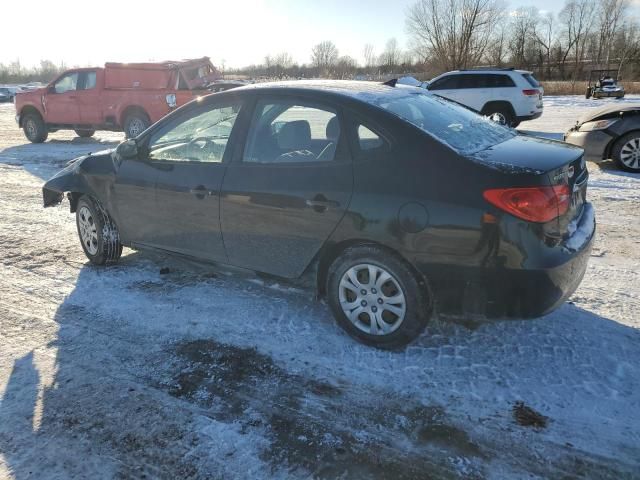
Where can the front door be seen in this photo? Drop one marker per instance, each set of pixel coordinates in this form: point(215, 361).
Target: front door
point(61, 103)
point(188, 157)
point(287, 190)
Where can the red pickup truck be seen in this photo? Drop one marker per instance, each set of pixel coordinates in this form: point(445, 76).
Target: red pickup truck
point(118, 97)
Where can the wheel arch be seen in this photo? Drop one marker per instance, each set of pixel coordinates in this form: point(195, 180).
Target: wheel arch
point(131, 109)
point(27, 110)
point(609, 148)
point(498, 103)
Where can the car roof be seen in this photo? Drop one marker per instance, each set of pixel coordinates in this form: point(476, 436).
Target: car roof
point(364, 91)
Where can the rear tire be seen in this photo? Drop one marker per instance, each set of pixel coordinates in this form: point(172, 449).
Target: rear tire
point(97, 231)
point(34, 128)
point(388, 311)
point(503, 113)
point(626, 152)
point(85, 133)
point(135, 123)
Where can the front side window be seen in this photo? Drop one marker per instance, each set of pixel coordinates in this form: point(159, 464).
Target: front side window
point(446, 83)
point(286, 132)
point(460, 128)
point(199, 138)
point(67, 83)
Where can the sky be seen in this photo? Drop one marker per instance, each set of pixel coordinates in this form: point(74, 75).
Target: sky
point(236, 33)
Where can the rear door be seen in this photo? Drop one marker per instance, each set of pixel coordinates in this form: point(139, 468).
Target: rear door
point(61, 103)
point(287, 189)
point(89, 99)
point(188, 156)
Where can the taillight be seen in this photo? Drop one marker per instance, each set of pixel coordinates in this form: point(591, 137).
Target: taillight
point(534, 204)
point(531, 93)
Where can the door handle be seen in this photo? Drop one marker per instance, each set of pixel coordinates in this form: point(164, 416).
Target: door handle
point(321, 204)
point(201, 191)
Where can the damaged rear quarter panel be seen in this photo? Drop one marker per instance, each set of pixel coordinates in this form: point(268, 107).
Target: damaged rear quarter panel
point(91, 175)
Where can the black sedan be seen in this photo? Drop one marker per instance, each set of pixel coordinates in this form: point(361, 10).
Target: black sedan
point(610, 132)
point(393, 201)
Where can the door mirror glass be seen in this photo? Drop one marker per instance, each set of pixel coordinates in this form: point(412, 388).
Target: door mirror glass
point(127, 149)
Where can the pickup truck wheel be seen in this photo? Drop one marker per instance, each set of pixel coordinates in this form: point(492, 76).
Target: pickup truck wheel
point(98, 233)
point(34, 128)
point(85, 133)
point(135, 124)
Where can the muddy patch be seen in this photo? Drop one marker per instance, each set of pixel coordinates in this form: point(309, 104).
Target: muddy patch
point(317, 427)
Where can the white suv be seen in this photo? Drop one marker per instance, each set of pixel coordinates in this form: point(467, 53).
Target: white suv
point(510, 96)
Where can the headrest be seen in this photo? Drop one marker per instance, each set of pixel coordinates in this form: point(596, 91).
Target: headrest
point(333, 129)
point(294, 135)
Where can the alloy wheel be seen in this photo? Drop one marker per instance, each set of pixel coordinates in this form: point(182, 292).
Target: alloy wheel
point(88, 231)
point(372, 299)
point(630, 154)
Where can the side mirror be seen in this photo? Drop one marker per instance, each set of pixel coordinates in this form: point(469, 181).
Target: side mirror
point(51, 89)
point(127, 149)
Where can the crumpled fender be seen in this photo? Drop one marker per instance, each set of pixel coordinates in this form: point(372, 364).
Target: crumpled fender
point(89, 174)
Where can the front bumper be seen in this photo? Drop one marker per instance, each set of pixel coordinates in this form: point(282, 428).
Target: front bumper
point(618, 94)
point(595, 144)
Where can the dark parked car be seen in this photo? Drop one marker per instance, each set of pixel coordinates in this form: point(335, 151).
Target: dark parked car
point(610, 132)
point(394, 201)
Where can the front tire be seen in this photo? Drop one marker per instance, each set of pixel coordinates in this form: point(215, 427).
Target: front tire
point(626, 152)
point(97, 231)
point(85, 133)
point(376, 297)
point(34, 128)
point(135, 123)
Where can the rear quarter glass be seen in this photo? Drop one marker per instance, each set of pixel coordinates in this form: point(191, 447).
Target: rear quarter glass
point(531, 80)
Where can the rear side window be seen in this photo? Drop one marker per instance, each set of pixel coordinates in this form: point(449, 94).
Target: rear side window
point(368, 139)
point(292, 132)
point(531, 80)
point(460, 128)
point(89, 80)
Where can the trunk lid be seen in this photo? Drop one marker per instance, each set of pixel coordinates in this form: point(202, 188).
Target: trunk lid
point(532, 161)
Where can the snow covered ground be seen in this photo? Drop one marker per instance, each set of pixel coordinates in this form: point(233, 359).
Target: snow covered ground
point(124, 372)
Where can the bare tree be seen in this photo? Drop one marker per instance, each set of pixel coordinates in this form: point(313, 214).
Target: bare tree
point(545, 36)
point(369, 56)
point(577, 16)
point(497, 46)
point(455, 32)
point(345, 66)
point(610, 18)
point(524, 22)
point(324, 56)
point(390, 57)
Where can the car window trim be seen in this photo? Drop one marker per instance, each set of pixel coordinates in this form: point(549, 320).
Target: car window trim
point(342, 147)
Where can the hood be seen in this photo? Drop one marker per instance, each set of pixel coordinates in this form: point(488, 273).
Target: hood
point(608, 112)
point(526, 154)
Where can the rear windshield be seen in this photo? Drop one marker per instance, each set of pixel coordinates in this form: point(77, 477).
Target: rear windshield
point(463, 130)
point(531, 79)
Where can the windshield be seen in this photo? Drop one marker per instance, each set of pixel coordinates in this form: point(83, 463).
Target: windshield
point(463, 130)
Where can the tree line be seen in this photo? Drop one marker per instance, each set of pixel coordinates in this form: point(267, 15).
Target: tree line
point(447, 35)
point(457, 34)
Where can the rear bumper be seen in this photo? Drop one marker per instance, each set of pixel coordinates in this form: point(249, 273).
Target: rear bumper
point(532, 116)
point(528, 292)
point(595, 144)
